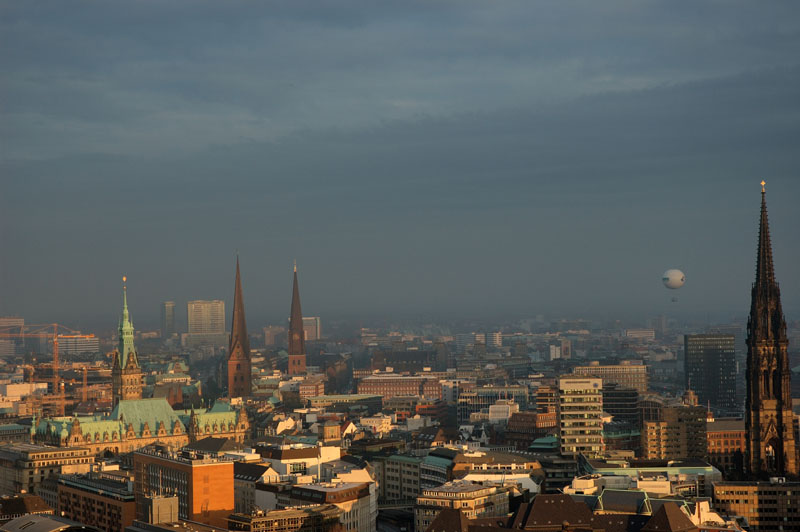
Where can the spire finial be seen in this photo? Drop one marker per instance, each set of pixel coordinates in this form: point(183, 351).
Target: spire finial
point(125, 294)
point(763, 186)
point(295, 265)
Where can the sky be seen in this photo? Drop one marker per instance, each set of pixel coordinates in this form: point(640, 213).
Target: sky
point(441, 159)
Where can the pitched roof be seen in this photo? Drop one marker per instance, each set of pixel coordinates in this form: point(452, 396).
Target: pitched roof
point(549, 510)
point(449, 520)
point(140, 411)
point(23, 504)
point(250, 472)
point(214, 445)
point(669, 518)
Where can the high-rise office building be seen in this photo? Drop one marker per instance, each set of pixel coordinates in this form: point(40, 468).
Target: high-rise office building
point(769, 420)
point(206, 323)
point(167, 319)
point(312, 326)
point(580, 416)
point(710, 362)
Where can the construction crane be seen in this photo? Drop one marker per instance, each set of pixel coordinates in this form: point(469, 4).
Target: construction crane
point(43, 331)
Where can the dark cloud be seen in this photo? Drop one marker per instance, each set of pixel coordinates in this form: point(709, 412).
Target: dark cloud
point(434, 158)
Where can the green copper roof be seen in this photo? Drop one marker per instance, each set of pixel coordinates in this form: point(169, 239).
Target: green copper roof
point(141, 411)
point(220, 413)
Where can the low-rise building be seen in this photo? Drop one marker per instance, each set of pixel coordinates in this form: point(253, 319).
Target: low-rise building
point(23, 466)
point(767, 506)
point(357, 501)
point(398, 476)
point(102, 500)
point(298, 458)
point(472, 499)
point(203, 485)
point(726, 444)
point(317, 518)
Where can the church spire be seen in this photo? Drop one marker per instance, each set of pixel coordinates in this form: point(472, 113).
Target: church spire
point(765, 271)
point(239, 365)
point(769, 420)
point(238, 322)
point(296, 333)
point(125, 345)
point(766, 314)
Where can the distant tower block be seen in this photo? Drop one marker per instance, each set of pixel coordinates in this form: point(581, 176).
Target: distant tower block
point(297, 342)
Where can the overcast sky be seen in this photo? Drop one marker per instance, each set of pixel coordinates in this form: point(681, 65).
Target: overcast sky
point(447, 158)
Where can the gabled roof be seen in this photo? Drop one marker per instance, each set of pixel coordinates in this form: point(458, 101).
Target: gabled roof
point(23, 504)
point(449, 520)
point(549, 510)
point(214, 445)
point(669, 518)
point(249, 472)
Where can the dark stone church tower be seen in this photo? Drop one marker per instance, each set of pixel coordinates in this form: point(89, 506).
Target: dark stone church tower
point(769, 421)
point(239, 366)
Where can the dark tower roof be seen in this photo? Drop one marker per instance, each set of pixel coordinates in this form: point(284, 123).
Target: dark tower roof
point(238, 323)
point(297, 342)
point(766, 314)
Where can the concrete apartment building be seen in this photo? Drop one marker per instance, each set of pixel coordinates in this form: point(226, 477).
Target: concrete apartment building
point(680, 434)
point(390, 385)
point(580, 416)
point(203, 485)
point(726, 438)
point(472, 499)
point(102, 500)
point(626, 374)
point(768, 506)
point(320, 518)
point(397, 476)
point(357, 501)
point(23, 466)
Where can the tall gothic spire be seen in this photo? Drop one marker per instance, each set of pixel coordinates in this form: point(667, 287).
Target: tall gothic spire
point(766, 313)
point(765, 271)
point(769, 421)
point(239, 368)
point(125, 345)
point(297, 343)
point(238, 323)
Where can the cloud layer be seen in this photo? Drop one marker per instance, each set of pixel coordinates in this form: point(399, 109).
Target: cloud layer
point(440, 158)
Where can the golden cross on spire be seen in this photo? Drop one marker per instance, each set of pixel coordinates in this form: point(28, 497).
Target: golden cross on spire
point(763, 186)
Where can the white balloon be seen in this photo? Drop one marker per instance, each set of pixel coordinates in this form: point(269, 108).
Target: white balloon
point(673, 279)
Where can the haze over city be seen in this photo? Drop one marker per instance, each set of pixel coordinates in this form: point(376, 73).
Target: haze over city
point(449, 159)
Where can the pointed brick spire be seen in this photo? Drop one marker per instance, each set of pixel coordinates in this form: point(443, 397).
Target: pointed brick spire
point(297, 343)
point(239, 336)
